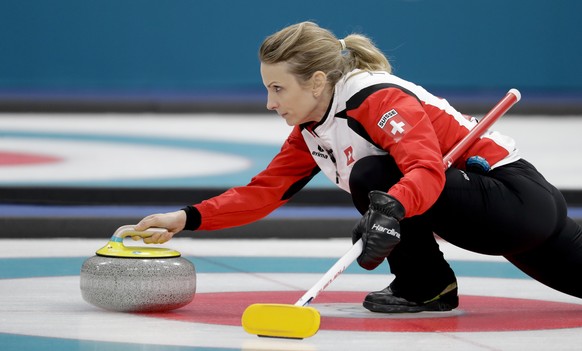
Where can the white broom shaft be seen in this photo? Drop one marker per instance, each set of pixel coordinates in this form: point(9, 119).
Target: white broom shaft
point(341, 265)
point(512, 97)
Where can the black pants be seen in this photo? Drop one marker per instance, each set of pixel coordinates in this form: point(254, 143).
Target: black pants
point(511, 211)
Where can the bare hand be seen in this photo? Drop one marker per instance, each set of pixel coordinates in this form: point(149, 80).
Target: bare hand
point(173, 222)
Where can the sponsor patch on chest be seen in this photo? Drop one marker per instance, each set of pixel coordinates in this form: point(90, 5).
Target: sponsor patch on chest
point(394, 124)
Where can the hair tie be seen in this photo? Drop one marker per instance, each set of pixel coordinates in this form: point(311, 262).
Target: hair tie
point(343, 44)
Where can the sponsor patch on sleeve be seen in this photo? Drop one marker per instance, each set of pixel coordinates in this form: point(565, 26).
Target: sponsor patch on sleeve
point(394, 124)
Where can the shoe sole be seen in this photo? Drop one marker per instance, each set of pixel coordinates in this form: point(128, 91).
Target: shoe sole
point(436, 306)
point(445, 301)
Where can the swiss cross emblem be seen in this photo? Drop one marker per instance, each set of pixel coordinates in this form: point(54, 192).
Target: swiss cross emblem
point(394, 124)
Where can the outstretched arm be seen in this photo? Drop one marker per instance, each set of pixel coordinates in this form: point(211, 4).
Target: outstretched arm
point(287, 173)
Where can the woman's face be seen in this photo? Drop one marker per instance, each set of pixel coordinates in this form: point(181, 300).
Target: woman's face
point(296, 103)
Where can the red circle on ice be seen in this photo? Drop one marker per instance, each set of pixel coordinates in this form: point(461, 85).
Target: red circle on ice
point(21, 158)
point(474, 314)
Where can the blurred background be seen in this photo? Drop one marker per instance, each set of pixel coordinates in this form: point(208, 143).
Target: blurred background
point(187, 56)
point(99, 77)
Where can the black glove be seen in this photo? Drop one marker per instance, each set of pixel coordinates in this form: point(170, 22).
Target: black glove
point(379, 229)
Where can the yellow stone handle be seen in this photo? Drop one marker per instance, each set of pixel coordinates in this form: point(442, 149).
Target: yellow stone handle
point(129, 230)
point(115, 247)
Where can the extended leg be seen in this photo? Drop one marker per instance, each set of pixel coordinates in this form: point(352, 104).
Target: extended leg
point(514, 212)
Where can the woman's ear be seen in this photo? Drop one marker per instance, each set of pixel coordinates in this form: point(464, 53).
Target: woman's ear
point(318, 81)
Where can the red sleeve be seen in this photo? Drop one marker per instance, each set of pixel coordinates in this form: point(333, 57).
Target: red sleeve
point(285, 175)
point(397, 123)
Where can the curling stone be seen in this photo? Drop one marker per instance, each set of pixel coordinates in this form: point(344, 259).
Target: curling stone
point(137, 279)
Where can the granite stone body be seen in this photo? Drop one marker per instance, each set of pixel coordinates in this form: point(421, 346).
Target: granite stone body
point(138, 284)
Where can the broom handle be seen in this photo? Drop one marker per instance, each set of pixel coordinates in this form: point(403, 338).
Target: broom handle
point(341, 265)
point(512, 97)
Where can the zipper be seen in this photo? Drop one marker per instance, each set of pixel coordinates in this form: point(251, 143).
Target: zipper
point(330, 153)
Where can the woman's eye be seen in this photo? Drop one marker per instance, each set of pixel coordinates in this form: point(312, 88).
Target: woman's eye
point(277, 89)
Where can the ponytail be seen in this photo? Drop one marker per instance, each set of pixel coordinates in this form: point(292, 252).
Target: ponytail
point(364, 55)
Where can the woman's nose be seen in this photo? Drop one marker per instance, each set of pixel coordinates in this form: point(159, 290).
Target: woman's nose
point(271, 105)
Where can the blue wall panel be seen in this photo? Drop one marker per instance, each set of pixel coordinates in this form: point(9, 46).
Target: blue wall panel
point(173, 48)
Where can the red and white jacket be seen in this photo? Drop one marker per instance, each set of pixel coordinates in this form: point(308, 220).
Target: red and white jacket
point(371, 113)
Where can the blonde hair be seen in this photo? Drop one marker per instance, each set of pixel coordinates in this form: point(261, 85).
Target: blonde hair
point(308, 48)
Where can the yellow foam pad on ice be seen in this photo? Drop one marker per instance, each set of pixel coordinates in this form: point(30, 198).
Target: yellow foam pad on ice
point(280, 320)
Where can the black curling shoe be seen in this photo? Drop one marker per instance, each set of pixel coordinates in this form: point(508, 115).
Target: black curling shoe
point(384, 301)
